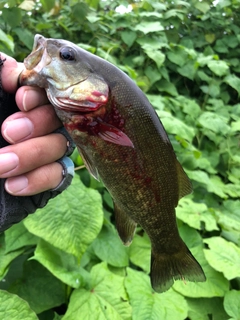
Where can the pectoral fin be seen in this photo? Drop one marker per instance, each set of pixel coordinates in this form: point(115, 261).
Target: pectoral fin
point(125, 225)
point(90, 167)
point(112, 134)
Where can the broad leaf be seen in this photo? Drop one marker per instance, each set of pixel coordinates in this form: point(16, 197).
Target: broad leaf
point(223, 256)
point(232, 303)
point(201, 308)
point(140, 252)
point(76, 213)
point(234, 82)
point(104, 299)
point(7, 40)
point(149, 305)
point(39, 288)
point(156, 56)
point(62, 265)
point(128, 37)
point(18, 237)
point(176, 126)
point(6, 258)
point(13, 307)
point(109, 248)
point(214, 122)
point(193, 214)
point(220, 68)
point(147, 26)
point(215, 286)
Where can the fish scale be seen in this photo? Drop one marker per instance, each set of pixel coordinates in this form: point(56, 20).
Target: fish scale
point(123, 142)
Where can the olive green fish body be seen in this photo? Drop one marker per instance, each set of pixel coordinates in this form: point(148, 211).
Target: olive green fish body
point(123, 142)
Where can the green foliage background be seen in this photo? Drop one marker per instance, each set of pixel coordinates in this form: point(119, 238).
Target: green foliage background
point(66, 261)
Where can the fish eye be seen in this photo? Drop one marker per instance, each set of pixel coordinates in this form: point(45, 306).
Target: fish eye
point(67, 54)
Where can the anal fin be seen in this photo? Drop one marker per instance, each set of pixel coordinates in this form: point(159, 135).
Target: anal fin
point(125, 225)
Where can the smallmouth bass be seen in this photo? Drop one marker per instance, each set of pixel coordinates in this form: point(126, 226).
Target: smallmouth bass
point(123, 142)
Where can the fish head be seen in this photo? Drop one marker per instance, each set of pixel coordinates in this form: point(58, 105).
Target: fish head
point(79, 93)
point(62, 68)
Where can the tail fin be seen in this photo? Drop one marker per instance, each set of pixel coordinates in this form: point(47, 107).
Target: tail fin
point(167, 268)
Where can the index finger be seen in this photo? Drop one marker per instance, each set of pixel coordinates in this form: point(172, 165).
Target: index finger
point(10, 73)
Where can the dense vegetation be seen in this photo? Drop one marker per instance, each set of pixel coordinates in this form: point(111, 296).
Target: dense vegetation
point(66, 261)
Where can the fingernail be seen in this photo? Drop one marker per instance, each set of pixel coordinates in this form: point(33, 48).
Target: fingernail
point(16, 184)
point(30, 97)
point(8, 162)
point(24, 100)
point(18, 129)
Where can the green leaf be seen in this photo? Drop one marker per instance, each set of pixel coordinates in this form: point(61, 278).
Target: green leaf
point(232, 303)
point(18, 237)
point(233, 81)
point(93, 3)
point(221, 46)
point(128, 37)
point(214, 122)
point(229, 216)
point(215, 286)
point(156, 56)
point(12, 307)
point(210, 37)
point(178, 56)
point(223, 256)
point(62, 265)
point(12, 16)
point(188, 70)
point(6, 258)
point(146, 26)
point(148, 43)
point(25, 36)
point(140, 252)
point(193, 214)
point(213, 89)
point(201, 308)
point(47, 4)
point(175, 126)
point(105, 299)
point(76, 213)
point(220, 68)
point(235, 126)
point(190, 236)
point(148, 305)
point(39, 288)
point(166, 86)
point(109, 248)
point(80, 11)
point(153, 74)
point(202, 6)
point(7, 40)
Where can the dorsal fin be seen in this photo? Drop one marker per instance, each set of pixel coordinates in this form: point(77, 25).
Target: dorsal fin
point(184, 184)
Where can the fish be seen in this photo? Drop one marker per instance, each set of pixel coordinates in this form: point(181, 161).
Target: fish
point(122, 142)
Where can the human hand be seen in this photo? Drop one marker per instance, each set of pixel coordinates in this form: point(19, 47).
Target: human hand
point(29, 163)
